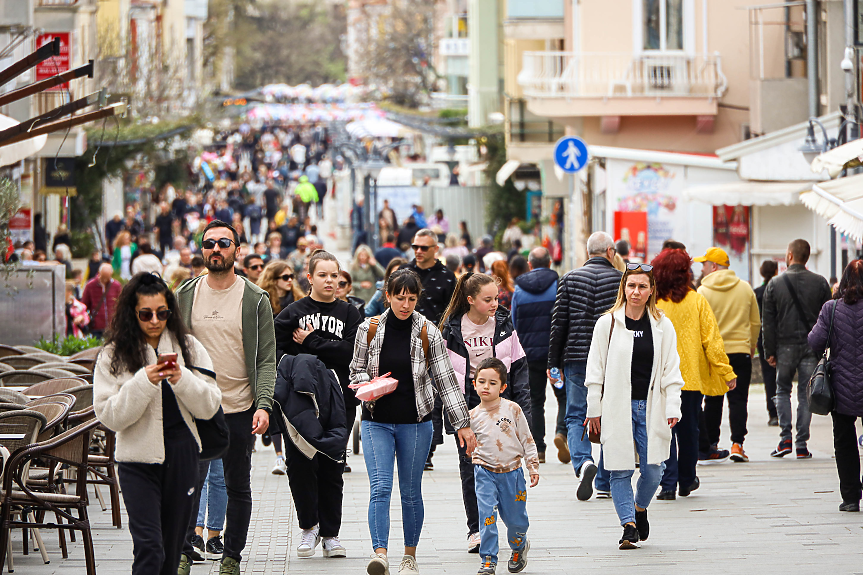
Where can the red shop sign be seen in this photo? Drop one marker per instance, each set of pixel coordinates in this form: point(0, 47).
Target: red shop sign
point(55, 64)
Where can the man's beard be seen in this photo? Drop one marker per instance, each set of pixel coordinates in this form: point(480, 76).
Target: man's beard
point(224, 265)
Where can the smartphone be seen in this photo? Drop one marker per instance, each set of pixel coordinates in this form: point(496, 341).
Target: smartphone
point(168, 358)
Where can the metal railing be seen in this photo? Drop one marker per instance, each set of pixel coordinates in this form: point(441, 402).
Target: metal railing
point(57, 2)
point(621, 75)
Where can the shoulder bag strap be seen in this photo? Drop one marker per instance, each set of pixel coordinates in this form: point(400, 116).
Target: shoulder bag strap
point(797, 304)
point(830, 331)
point(610, 333)
point(207, 372)
point(424, 337)
point(92, 313)
point(373, 329)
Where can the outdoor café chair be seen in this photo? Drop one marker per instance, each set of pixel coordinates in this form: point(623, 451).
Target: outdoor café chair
point(8, 350)
point(23, 377)
point(23, 361)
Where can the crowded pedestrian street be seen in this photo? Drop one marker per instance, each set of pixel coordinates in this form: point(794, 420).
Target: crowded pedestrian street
point(768, 516)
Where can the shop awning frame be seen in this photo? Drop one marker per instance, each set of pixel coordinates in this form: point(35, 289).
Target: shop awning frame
point(840, 202)
point(748, 193)
point(835, 160)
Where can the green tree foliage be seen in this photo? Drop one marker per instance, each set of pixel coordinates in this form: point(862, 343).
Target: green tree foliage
point(504, 202)
point(69, 345)
point(290, 42)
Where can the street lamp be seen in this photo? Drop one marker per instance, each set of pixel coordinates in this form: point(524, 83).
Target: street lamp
point(811, 148)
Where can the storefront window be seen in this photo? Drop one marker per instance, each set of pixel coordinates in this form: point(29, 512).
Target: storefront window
point(663, 24)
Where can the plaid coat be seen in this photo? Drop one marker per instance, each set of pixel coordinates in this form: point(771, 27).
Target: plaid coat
point(439, 377)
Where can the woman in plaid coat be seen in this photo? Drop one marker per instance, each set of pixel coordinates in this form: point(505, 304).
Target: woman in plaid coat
point(397, 426)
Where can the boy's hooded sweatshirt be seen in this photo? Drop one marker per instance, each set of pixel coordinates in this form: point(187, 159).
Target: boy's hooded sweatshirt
point(736, 309)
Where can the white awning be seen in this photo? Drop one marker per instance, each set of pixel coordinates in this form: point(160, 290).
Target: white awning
point(748, 193)
point(834, 160)
point(840, 202)
point(506, 171)
point(14, 153)
point(378, 128)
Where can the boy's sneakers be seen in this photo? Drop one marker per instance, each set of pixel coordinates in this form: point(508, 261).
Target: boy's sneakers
point(333, 547)
point(185, 566)
point(630, 537)
point(603, 494)
point(783, 449)
point(308, 541)
point(214, 549)
point(737, 453)
point(518, 560)
point(279, 468)
point(585, 476)
point(487, 567)
point(379, 565)
point(641, 524)
point(408, 566)
point(229, 566)
point(804, 454)
point(473, 541)
point(715, 455)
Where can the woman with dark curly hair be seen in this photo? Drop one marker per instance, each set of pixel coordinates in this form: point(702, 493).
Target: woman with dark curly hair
point(145, 390)
point(703, 364)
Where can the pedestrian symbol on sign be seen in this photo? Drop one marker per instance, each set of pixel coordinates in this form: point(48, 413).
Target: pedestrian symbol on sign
point(570, 154)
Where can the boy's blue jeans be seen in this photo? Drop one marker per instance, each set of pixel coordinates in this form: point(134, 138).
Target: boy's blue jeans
point(508, 493)
point(214, 498)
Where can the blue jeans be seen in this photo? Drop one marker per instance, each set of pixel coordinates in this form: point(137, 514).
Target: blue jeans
point(648, 482)
point(214, 498)
point(383, 443)
point(580, 450)
point(789, 359)
point(504, 493)
point(602, 481)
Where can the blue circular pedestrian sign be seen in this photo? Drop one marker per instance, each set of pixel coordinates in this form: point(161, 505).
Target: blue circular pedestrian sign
point(570, 154)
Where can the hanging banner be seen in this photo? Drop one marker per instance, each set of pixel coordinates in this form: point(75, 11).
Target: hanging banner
point(634, 228)
point(59, 176)
point(731, 232)
point(55, 64)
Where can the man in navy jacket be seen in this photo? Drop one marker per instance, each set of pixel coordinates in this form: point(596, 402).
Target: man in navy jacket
point(532, 304)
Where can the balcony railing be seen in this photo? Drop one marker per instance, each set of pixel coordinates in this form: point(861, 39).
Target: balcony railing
point(621, 75)
point(57, 2)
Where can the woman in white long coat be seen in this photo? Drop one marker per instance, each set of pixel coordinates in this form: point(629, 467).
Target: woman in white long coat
point(633, 394)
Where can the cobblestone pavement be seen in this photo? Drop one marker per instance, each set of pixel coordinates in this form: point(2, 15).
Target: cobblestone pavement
point(768, 516)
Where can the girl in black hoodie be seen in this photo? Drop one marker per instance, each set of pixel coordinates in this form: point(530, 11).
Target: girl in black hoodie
point(326, 327)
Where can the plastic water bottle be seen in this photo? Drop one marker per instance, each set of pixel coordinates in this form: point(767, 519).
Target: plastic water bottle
point(556, 381)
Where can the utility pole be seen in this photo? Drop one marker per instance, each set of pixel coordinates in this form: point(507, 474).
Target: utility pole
point(812, 56)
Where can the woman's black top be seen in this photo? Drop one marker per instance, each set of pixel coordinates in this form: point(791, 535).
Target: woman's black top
point(642, 355)
point(401, 405)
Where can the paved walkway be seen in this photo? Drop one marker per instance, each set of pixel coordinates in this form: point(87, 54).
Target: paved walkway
point(773, 516)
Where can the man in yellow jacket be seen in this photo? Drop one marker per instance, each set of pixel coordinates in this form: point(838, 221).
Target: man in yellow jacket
point(736, 309)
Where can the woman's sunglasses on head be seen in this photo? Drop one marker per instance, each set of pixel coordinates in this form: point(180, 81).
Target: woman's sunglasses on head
point(639, 267)
point(147, 314)
point(223, 243)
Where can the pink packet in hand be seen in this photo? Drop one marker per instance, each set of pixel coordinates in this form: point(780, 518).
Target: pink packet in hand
point(376, 388)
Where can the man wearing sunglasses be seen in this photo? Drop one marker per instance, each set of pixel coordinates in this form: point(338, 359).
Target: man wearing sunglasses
point(253, 265)
point(583, 295)
point(438, 286)
point(233, 319)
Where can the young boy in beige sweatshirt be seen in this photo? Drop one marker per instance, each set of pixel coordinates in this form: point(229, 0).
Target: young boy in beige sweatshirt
point(503, 439)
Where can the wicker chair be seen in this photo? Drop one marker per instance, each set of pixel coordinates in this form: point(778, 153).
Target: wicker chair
point(64, 365)
point(55, 414)
point(4, 407)
point(23, 361)
point(5, 367)
point(59, 385)
point(29, 349)
point(86, 363)
point(64, 398)
point(83, 397)
point(12, 396)
point(86, 354)
point(28, 424)
point(69, 448)
point(45, 356)
point(8, 350)
point(23, 377)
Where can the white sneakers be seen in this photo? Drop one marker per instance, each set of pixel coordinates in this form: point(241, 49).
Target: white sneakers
point(308, 541)
point(378, 565)
point(279, 468)
point(473, 541)
point(333, 547)
point(585, 476)
point(408, 566)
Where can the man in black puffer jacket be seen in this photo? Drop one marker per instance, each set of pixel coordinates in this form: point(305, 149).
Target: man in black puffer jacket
point(583, 295)
point(532, 304)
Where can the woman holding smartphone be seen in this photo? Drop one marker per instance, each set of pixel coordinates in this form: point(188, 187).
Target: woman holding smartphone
point(151, 381)
point(323, 326)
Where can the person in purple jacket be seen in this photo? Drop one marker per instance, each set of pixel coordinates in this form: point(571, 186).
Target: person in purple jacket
point(846, 353)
